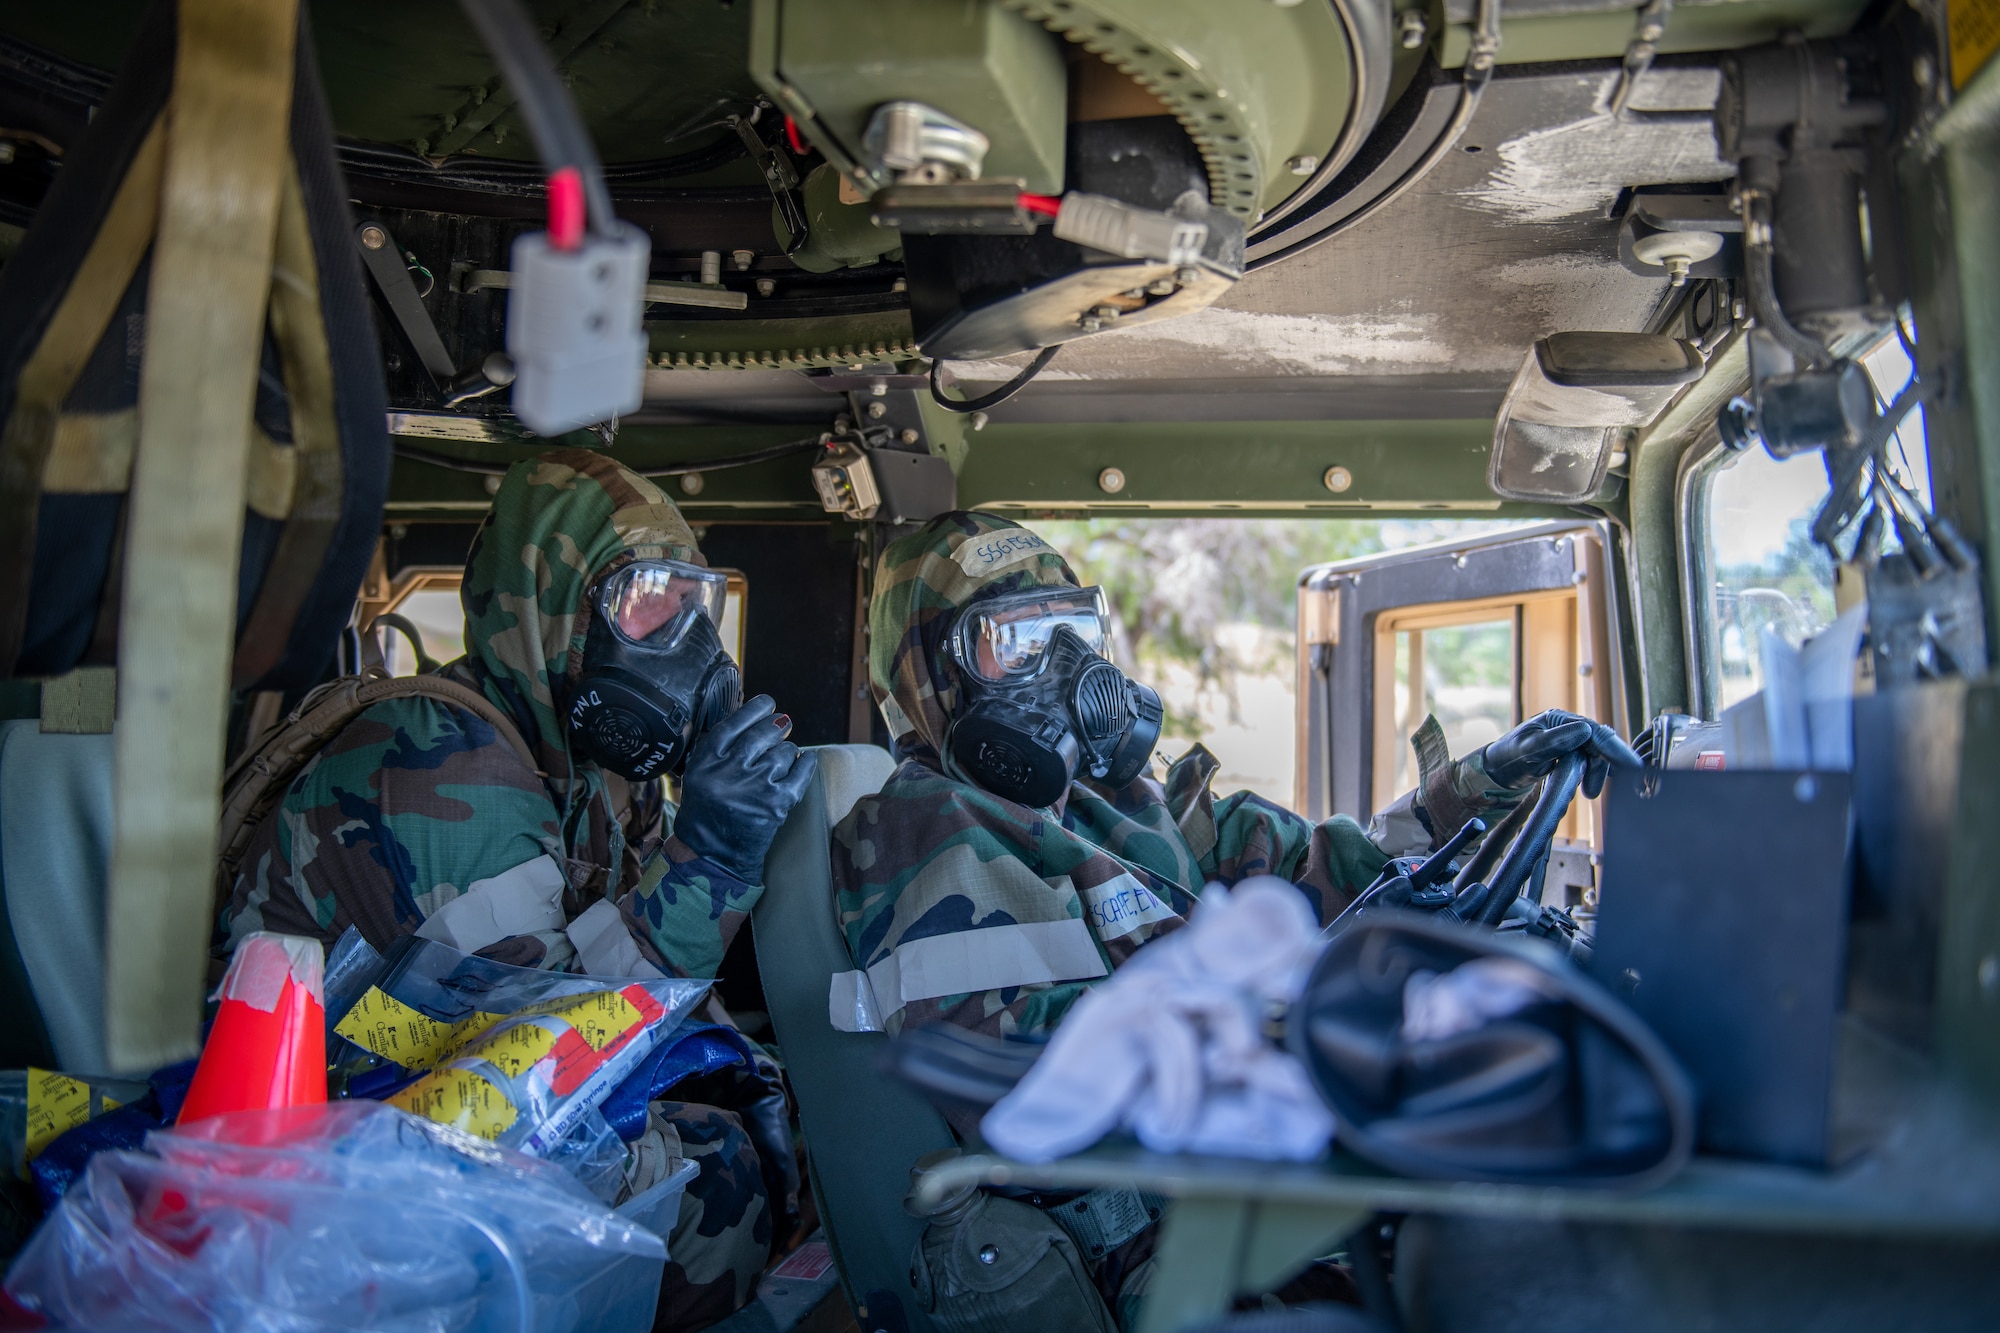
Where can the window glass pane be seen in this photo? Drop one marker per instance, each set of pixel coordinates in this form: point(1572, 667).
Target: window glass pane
point(731, 628)
point(439, 617)
point(1767, 571)
point(1466, 678)
point(1469, 682)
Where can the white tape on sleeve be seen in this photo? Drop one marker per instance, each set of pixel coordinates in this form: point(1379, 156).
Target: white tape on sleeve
point(605, 947)
point(520, 901)
point(991, 958)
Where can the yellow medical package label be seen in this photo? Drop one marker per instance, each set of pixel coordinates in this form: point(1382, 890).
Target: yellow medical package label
point(57, 1103)
point(600, 1018)
point(515, 1047)
point(460, 1098)
point(382, 1024)
point(1973, 27)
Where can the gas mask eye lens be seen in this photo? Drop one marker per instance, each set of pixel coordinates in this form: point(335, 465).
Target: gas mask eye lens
point(1042, 702)
point(1010, 636)
point(642, 600)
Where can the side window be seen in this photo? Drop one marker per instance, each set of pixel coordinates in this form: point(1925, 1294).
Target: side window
point(438, 615)
point(1480, 632)
point(1764, 572)
point(1756, 567)
point(1457, 664)
point(1480, 667)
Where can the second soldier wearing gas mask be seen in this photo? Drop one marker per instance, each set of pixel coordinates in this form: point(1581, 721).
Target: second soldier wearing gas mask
point(1023, 848)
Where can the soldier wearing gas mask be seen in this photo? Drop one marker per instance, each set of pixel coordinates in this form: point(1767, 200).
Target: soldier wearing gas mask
point(1022, 849)
point(591, 622)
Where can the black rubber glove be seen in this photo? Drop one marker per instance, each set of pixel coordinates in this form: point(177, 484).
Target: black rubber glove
point(743, 777)
point(1532, 750)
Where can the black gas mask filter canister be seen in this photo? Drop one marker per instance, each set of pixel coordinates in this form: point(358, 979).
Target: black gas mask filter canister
point(638, 707)
point(1024, 739)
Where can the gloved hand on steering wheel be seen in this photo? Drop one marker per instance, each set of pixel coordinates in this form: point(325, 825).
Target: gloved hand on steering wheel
point(742, 778)
point(1499, 774)
point(1532, 750)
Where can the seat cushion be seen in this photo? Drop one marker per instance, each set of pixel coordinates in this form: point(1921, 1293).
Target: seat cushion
point(863, 1131)
point(55, 859)
point(850, 772)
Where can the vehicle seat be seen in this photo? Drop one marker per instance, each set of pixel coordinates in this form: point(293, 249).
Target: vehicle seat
point(55, 859)
point(862, 1129)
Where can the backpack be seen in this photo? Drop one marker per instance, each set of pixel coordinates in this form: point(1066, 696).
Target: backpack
point(260, 777)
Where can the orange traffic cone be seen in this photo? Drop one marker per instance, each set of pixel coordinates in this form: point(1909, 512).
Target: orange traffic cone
point(267, 1048)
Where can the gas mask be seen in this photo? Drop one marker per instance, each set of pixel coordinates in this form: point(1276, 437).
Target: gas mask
point(655, 673)
point(1040, 701)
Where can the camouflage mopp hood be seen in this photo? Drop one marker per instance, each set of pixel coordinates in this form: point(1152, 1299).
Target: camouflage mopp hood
point(922, 581)
point(560, 522)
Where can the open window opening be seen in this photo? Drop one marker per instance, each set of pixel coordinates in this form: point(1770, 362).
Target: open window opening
point(1480, 667)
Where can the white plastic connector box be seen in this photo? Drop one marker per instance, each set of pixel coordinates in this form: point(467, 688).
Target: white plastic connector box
point(575, 329)
point(1118, 228)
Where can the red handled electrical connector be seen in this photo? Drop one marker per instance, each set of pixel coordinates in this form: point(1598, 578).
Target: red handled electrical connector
point(566, 213)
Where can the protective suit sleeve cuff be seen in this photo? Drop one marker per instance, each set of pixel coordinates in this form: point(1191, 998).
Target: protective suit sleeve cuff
point(1438, 802)
point(678, 854)
point(1397, 829)
point(1480, 791)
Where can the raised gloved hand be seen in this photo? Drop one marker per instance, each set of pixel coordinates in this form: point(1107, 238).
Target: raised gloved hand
point(743, 777)
point(1533, 749)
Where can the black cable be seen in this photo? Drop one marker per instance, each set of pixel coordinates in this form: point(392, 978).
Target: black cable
point(381, 162)
point(999, 395)
point(1843, 501)
point(509, 33)
point(485, 469)
point(1763, 287)
point(740, 460)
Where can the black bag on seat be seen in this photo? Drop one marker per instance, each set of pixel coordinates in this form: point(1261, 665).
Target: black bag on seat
point(1572, 1088)
point(320, 463)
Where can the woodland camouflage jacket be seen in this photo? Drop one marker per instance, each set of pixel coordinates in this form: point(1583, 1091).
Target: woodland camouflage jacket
point(415, 800)
point(962, 907)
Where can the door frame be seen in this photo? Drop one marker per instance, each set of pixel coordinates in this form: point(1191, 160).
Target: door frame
point(1341, 603)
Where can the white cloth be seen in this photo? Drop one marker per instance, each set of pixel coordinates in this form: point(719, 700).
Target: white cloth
point(1439, 1005)
point(1172, 1046)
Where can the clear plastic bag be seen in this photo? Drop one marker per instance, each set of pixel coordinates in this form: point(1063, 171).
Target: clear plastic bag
point(353, 1215)
point(514, 1055)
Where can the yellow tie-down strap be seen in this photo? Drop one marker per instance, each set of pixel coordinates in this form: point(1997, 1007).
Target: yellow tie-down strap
point(227, 153)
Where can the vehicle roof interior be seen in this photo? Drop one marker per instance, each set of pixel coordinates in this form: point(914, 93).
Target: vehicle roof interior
point(1383, 343)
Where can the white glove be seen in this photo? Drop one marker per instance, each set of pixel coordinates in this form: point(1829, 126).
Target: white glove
point(1172, 1046)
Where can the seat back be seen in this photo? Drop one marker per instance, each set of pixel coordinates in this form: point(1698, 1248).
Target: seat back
point(862, 1129)
point(55, 858)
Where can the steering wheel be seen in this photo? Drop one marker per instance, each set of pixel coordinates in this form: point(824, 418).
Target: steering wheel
point(1488, 884)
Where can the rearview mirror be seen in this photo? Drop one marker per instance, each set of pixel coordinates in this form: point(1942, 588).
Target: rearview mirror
point(1573, 395)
